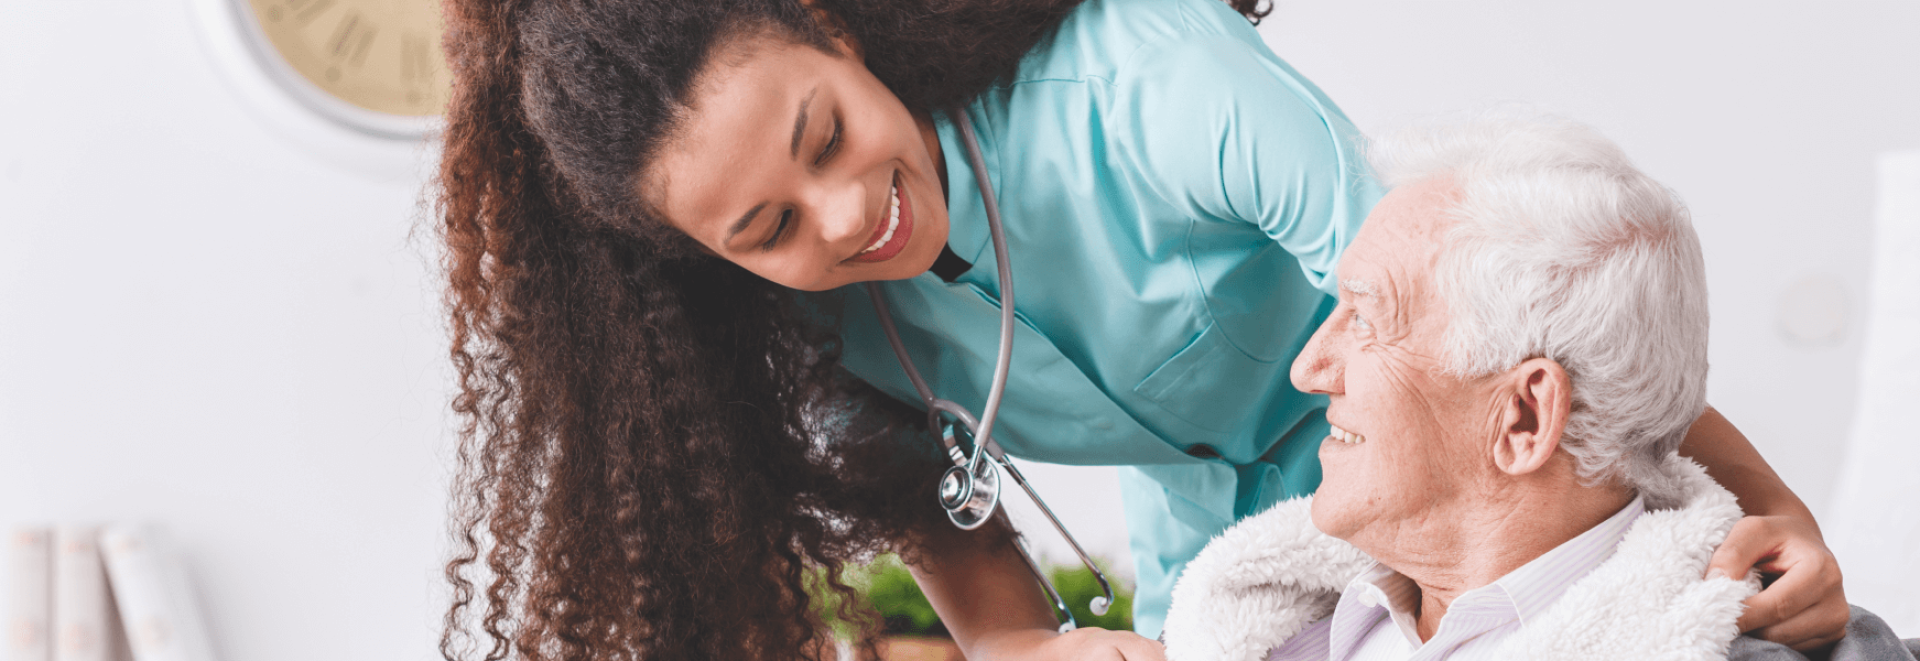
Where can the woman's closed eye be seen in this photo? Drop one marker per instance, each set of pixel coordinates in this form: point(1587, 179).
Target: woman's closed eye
point(832, 146)
point(779, 230)
point(786, 217)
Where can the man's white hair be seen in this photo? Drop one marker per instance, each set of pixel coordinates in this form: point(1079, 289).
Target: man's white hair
point(1562, 249)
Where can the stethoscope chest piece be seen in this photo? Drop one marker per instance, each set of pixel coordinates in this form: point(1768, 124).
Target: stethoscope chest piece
point(969, 496)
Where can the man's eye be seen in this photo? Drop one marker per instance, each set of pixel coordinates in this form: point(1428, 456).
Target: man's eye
point(1361, 322)
point(833, 145)
point(779, 230)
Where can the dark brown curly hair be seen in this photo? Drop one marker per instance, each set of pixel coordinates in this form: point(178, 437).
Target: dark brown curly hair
point(659, 451)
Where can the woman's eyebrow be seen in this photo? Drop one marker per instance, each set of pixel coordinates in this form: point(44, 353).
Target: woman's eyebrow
point(744, 221)
point(793, 151)
point(800, 124)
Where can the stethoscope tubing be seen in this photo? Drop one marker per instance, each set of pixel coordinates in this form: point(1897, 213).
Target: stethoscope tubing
point(1004, 361)
point(981, 429)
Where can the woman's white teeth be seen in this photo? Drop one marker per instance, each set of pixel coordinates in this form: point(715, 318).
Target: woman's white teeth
point(893, 220)
point(1347, 437)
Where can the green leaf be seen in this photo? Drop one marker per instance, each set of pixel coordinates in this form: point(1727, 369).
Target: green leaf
point(884, 586)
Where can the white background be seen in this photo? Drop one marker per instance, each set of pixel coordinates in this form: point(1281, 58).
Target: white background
point(211, 325)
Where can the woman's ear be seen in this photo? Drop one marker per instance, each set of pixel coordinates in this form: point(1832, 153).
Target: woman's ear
point(836, 28)
point(1539, 398)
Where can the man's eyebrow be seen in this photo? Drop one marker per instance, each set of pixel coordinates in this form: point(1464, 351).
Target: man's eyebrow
point(800, 124)
point(743, 222)
point(1358, 287)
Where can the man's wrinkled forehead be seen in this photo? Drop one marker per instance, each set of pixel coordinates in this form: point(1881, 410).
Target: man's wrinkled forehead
point(1407, 229)
point(1389, 270)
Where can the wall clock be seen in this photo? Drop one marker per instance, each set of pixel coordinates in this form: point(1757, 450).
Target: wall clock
point(373, 66)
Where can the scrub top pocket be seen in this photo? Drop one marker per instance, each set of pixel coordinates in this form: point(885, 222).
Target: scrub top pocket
point(1190, 386)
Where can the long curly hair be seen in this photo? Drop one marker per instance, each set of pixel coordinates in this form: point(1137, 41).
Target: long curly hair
point(659, 456)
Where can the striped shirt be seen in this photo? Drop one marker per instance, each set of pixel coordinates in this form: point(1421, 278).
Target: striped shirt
point(1374, 619)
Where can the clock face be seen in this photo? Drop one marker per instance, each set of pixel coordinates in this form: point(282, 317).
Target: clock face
point(378, 55)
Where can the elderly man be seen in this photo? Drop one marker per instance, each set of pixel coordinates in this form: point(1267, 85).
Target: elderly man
point(1519, 348)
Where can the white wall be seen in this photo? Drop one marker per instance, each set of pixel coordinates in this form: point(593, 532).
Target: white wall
point(205, 325)
point(1873, 540)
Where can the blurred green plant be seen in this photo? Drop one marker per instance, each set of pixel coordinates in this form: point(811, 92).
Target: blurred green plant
point(885, 588)
point(903, 608)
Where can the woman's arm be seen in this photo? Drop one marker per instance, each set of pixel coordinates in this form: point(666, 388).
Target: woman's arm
point(1806, 607)
point(1221, 129)
point(995, 610)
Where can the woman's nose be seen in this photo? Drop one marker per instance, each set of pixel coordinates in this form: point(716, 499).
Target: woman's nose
point(840, 210)
point(1318, 368)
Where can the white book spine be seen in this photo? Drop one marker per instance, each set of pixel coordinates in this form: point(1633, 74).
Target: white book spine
point(155, 603)
point(29, 616)
point(82, 608)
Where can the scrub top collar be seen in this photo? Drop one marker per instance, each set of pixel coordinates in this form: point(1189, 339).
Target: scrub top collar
point(949, 266)
point(967, 233)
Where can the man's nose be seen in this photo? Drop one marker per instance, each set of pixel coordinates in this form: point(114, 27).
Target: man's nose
point(1318, 368)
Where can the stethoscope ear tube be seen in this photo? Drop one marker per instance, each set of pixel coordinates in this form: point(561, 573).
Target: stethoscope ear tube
point(1098, 605)
point(970, 490)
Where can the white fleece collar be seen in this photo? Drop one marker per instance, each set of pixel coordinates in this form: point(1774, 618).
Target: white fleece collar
point(1268, 577)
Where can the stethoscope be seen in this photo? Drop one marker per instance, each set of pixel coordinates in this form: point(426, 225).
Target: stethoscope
point(970, 489)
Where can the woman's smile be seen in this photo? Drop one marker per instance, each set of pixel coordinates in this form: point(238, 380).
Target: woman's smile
point(891, 234)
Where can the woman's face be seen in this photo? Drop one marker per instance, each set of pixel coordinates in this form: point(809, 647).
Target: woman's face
point(790, 163)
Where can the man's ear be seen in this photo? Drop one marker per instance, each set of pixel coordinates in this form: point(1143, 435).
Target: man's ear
point(1539, 398)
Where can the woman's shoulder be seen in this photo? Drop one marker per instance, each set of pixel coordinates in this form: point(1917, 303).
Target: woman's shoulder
point(1100, 37)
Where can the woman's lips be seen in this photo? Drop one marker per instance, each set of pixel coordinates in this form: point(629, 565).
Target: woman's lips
point(902, 231)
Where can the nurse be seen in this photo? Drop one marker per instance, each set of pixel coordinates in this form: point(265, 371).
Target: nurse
point(658, 213)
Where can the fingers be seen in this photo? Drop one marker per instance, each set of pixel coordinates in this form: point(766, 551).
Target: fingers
point(1817, 625)
point(1751, 540)
point(1807, 607)
point(1094, 644)
point(1788, 597)
point(1142, 649)
point(1134, 647)
point(1809, 644)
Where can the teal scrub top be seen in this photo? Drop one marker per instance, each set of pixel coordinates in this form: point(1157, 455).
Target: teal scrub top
point(1175, 199)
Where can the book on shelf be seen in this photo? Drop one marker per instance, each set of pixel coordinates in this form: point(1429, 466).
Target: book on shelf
point(84, 626)
point(29, 616)
point(83, 593)
point(156, 605)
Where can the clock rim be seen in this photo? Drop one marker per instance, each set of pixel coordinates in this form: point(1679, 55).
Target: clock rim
point(385, 157)
point(243, 23)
